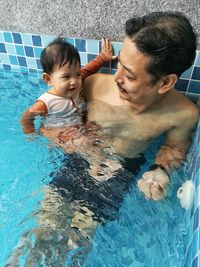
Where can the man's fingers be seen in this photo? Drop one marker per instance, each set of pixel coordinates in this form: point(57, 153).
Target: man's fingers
point(157, 192)
point(145, 188)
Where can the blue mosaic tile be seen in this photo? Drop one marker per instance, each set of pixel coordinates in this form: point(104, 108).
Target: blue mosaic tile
point(181, 85)
point(113, 71)
point(38, 64)
point(4, 59)
point(194, 87)
point(83, 57)
point(196, 220)
point(6, 67)
point(80, 45)
point(47, 40)
point(92, 46)
point(70, 40)
point(193, 249)
point(114, 64)
point(192, 211)
point(195, 262)
point(20, 50)
point(22, 61)
point(198, 59)
point(28, 51)
point(37, 51)
point(31, 62)
point(37, 41)
point(107, 64)
point(27, 39)
point(2, 48)
point(1, 38)
point(187, 74)
point(90, 57)
point(116, 47)
point(196, 73)
point(105, 70)
point(13, 60)
point(17, 38)
point(7, 37)
point(10, 48)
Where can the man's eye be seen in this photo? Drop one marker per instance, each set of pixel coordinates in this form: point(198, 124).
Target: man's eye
point(130, 78)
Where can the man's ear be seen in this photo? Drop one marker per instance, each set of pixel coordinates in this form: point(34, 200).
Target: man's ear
point(168, 83)
point(46, 78)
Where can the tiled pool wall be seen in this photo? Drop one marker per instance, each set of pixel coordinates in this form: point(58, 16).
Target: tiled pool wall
point(192, 171)
point(21, 52)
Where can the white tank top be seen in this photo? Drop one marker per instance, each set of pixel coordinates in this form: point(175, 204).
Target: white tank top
point(61, 111)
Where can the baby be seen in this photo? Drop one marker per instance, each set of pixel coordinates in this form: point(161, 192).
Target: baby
point(60, 105)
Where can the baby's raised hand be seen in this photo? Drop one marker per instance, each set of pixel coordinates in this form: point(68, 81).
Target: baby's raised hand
point(107, 50)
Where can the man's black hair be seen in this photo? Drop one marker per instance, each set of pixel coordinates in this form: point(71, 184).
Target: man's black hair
point(167, 38)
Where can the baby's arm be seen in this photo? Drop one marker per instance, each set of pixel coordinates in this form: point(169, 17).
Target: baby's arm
point(27, 118)
point(105, 56)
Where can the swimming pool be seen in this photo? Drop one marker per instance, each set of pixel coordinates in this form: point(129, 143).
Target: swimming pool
point(147, 233)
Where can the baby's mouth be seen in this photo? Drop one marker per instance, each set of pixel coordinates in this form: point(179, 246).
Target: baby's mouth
point(72, 89)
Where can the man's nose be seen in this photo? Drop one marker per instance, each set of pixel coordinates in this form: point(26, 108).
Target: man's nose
point(119, 75)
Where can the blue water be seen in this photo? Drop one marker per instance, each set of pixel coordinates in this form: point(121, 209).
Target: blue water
point(147, 233)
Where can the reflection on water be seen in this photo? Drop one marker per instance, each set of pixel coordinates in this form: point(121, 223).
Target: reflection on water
point(77, 214)
point(84, 222)
point(73, 205)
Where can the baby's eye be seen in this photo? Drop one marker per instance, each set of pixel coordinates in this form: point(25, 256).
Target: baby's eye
point(66, 77)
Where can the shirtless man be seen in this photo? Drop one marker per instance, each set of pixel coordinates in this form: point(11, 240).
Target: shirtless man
point(140, 103)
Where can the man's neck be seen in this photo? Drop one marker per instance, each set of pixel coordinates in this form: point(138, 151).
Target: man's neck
point(139, 108)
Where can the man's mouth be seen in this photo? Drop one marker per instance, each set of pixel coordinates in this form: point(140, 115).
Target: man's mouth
point(121, 89)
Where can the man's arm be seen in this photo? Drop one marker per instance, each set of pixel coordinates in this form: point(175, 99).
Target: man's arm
point(154, 182)
point(177, 142)
point(27, 118)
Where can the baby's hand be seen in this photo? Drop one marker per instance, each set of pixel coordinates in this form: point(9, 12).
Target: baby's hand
point(107, 50)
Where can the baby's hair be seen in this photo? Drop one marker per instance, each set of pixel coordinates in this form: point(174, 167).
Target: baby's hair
point(57, 54)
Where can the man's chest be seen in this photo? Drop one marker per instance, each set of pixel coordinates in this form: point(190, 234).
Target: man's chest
point(121, 122)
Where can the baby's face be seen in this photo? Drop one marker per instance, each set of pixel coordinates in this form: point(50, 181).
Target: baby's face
point(66, 80)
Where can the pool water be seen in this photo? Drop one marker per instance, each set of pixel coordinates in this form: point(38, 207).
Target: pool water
point(146, 233)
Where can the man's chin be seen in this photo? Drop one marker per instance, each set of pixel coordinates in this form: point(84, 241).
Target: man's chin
point(123, 95)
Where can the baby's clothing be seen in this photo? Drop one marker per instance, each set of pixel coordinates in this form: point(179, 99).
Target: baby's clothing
point(61, 111)
point(65, 111)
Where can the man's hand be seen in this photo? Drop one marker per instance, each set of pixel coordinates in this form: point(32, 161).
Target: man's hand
point(154, 184)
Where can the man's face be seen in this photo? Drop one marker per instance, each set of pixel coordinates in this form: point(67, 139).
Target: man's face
point(133, 81)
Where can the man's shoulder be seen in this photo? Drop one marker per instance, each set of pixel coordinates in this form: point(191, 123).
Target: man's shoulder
point(97, 85)
point(99, 77)
point(187, 108)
